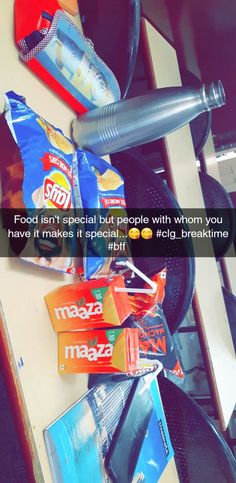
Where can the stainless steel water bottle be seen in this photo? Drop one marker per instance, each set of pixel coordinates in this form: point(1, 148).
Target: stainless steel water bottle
point(128, 123)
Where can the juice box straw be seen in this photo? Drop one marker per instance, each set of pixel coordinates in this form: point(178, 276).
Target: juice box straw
point(144, 277)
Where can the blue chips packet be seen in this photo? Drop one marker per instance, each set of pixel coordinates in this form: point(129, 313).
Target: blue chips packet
point(99, 190)
point(46, 181)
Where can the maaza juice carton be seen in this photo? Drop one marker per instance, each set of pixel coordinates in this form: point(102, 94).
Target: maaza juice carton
point(88, 304)
point(98, 351)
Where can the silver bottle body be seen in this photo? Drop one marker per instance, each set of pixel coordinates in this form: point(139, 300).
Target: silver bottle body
point(128, 123)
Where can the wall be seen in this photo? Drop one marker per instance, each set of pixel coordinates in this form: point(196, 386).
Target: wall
point(227, 170)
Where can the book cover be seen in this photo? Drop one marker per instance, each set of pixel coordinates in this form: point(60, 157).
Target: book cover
point(77, 442)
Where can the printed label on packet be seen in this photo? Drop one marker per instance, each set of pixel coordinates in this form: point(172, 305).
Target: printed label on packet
point(56, 191)
point(111, 202)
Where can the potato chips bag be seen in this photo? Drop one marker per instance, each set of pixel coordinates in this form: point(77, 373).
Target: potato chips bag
point(36, 174)
point(99, 191)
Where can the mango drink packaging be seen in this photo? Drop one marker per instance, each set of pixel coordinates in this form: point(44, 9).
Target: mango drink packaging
point(88, 304)
point(98, 351)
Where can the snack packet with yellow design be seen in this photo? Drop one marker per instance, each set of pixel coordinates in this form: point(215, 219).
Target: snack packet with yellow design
point(36, 173)
point(99, 190)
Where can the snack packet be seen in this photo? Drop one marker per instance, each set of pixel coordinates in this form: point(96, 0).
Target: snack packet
point(36, 175)
point(99, 190)
point(63, 58)
point(155, 340)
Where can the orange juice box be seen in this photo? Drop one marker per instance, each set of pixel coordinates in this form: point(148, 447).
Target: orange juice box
point(98, 351)
point(89, 304)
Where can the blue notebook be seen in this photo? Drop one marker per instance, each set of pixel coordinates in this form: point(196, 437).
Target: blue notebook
point(77, 442)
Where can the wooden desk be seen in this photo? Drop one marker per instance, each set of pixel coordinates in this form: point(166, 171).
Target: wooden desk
point(25, 327)
point(26, 332)
point(209, 304)
point(26, 336)
point(170, 474)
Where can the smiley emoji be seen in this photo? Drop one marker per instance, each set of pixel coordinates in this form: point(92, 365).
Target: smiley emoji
point(134, 233)
point(146, 233)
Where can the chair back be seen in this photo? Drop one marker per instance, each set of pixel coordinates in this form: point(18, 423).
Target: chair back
point(201, 453)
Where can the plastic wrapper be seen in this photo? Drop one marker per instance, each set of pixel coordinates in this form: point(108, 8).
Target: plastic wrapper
point(155, 340)
point(59, 53)
point(36, 174)
point(95, 379)
point(99, 191)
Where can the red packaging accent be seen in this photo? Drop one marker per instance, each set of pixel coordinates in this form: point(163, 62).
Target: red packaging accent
point(109, 202)
point(49, 161)
point(28, 15)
